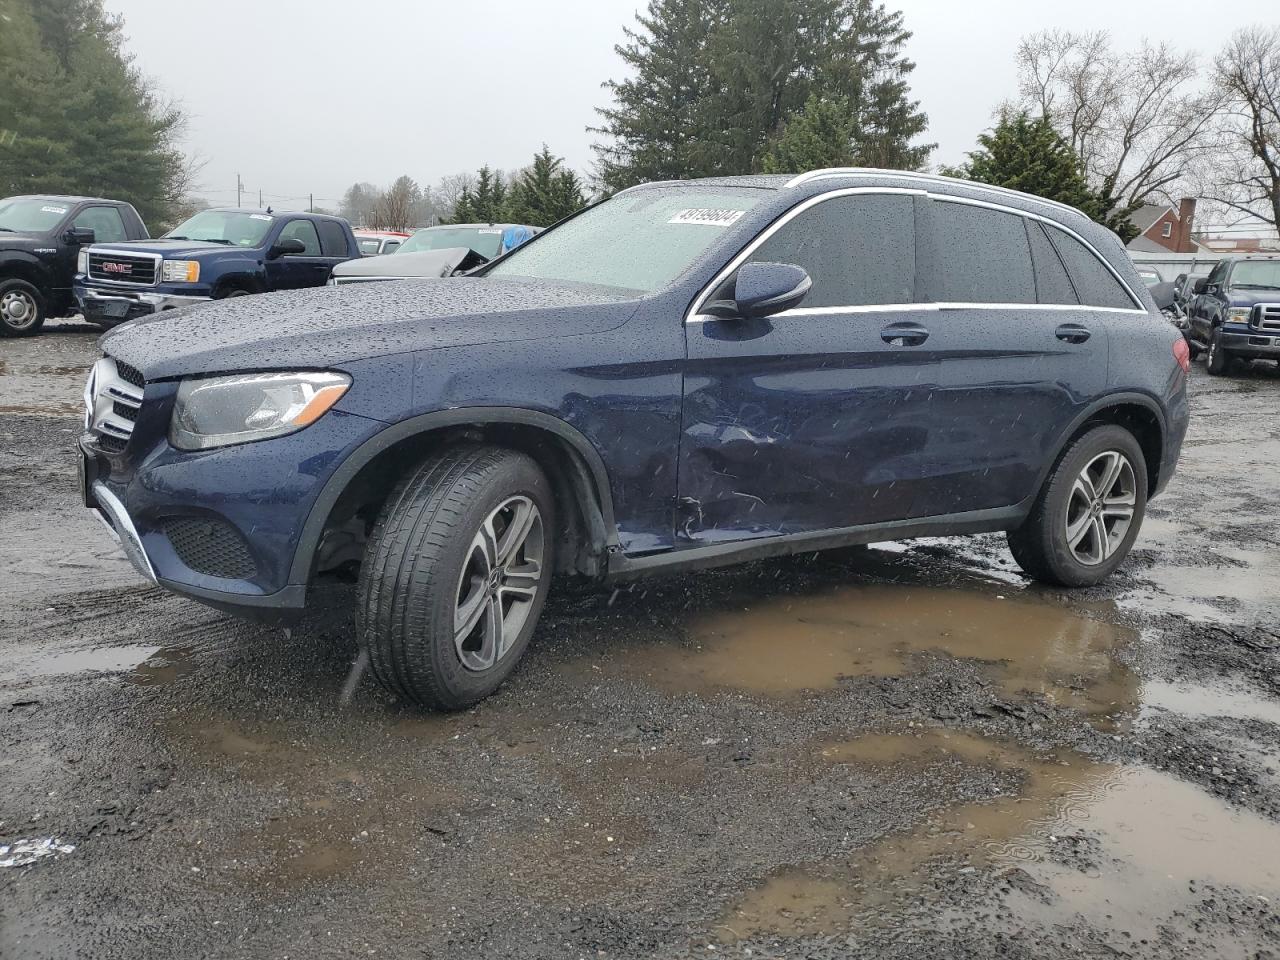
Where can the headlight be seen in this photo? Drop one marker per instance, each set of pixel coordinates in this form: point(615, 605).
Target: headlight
point(1238, 314)
point(82, 261)
point(220, 411)
point(181, 271)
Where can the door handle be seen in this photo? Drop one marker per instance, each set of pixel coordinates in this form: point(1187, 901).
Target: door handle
point(1073, 333)
point(904, 334)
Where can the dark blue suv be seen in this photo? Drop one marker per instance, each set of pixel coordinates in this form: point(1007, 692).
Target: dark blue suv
point(688, 374)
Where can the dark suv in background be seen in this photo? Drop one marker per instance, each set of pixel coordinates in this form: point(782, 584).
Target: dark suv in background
point(1235, 313)
point(688, 374)
point(214, 255)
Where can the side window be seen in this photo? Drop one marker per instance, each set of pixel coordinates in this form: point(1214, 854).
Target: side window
point(858, 250)
point(305, 231)
point(1218, 273)
point(391, 246)
point(105, 223)
point(1095, 284)
point(333, 239)
point(1052, 283)
point(983, 255)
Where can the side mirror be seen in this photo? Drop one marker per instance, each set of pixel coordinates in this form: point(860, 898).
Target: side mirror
point(1200, 285)
point(82, 236)
point(1164, 294)
point(763, 289)
point(287, 248)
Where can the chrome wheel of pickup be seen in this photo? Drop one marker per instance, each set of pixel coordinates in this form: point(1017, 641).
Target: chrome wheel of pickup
point(1101, 507)
point(18, 310)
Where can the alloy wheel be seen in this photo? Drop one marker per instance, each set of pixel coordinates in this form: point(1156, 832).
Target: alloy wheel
point(1100, 508)
point(499, 583)
point(17, 310)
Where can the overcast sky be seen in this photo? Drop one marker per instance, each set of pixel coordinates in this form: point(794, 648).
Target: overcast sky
point(308, 96)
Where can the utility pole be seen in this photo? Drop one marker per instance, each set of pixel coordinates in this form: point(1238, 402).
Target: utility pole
point(259, 198)
point(311, 203)
point(239, 189)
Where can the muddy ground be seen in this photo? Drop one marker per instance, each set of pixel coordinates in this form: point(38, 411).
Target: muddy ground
point(907, 751)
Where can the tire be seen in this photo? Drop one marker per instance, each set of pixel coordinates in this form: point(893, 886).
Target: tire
point(1041, 545)
point(22, 308)
point(1217, 363)
point(428, 560)
point(226, 293)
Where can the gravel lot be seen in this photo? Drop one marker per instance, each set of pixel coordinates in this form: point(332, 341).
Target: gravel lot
point(906, 751)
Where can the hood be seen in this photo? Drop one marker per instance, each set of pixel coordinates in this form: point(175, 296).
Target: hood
point(423, 263)
point(171, 249)
point(327, 326)
point(1247, 298)
point(24, 241)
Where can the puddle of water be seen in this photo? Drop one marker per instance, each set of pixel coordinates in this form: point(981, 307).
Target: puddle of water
point(1112, 844)
point(95, 660)
point(166, 666)
point(1209, 701)
point(793, 643)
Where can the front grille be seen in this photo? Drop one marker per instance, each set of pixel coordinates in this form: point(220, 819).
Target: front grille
point(1266, 316)
point(123, 267)
point(112, 401)
point(211, 547)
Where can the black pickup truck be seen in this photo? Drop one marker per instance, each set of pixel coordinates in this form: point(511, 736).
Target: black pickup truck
point(40, 240)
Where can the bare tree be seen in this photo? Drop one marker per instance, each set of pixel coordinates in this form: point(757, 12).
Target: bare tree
point(359, 202)
point(447, 192)
point(1141, 122)
point(398, 204)
point(1248, 74)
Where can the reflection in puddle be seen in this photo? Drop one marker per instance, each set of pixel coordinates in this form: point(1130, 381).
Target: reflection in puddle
point(95, 660)
point(1209, 701)
point(1079, 838)
point(1250, 584)
point(795, 643)
point(165, 666)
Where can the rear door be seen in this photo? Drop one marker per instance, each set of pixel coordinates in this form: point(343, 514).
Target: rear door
point(1018, 356)
point(817, 417)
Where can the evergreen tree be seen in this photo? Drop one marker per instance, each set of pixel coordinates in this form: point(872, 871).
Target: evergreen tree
point(77, 116)
point(1028, 154)
point(820, 135)
point(544, 193)
point(653, 128)
point(717, 81)
point(483, 203)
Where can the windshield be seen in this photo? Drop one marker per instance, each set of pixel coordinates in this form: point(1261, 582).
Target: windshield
point(637, 241)
point(31, 215)
point(224, 226)
point(486, 241)
point(1260, 274)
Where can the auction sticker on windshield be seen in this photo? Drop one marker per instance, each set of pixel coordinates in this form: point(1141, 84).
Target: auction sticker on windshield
point(710, 216)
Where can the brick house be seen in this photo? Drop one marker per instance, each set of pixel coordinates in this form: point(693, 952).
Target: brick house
point(1165, 229)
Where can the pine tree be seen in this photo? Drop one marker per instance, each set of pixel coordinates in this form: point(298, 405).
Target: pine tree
point(544, 193)
point(820, 135)
point(77, 116)
point(1028, 154)
point(717, 81)
point(485, 202)
point(653, 130)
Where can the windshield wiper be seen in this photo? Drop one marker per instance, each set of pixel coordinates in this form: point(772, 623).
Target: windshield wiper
point(1257, 286)
point(8, 229)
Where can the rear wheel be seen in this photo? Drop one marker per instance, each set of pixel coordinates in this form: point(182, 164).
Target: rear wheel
point(22, 308)
point(455, 575)
point(1088, 513)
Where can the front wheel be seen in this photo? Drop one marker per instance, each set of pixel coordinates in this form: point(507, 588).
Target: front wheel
point(22, 309)
point(1088, 513)
point(1217, 362)
point(455, 575)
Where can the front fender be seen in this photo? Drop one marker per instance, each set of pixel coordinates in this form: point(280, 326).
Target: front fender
point(26, 266)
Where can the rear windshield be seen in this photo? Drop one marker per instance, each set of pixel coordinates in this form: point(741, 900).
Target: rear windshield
point(369, 246)
point(637, 241)
point(31, 215)
point(1257, 274)
point(486, 241)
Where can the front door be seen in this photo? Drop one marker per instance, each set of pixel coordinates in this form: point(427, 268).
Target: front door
point(294, 271)
point(817, 417)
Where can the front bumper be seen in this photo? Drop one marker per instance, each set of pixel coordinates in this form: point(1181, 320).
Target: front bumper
point(117, 306)
point(1256, 345)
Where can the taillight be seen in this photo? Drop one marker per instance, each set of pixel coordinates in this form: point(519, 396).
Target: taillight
point(1182, 353)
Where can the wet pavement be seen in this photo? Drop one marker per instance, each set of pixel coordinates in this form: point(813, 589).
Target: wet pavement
point(902, 751)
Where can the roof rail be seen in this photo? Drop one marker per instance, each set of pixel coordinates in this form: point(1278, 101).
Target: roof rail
point(912, 175)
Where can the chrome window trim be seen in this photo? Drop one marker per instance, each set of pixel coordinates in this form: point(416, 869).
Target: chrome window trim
point(692, 315)
point(829, 173)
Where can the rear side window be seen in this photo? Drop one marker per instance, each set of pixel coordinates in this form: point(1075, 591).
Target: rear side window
point(1095, 284)
point(1052, 283)
point(984, 256)
point(333, 239)
point(859, 250)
